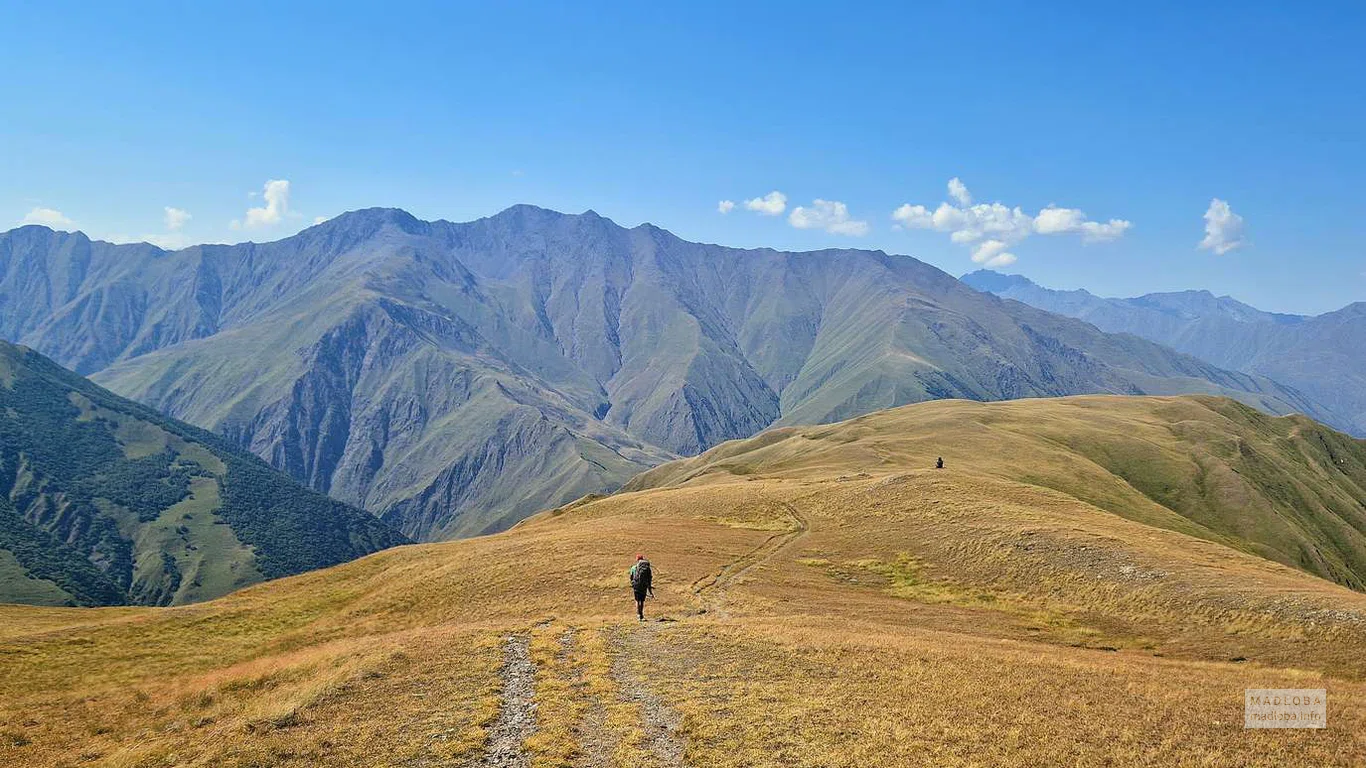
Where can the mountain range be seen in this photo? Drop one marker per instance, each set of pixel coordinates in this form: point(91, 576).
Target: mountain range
point(104, 501)
point(1320, 356)
point(453, 378)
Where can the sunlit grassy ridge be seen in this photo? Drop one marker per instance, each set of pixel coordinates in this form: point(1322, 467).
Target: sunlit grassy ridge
point(837, 601)
point(1286, 488)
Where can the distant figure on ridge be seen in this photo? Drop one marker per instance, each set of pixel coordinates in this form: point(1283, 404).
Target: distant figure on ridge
point(940, 463)
point(641, 584)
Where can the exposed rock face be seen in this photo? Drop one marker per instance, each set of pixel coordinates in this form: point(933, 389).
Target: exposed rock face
point(454, 378)
point(1319, 356)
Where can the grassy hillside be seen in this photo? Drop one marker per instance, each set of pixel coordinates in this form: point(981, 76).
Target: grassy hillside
point(832, 599)
point(103, 502)
point(1286, 488)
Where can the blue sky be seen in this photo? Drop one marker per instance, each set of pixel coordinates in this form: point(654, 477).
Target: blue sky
point(1132, 114)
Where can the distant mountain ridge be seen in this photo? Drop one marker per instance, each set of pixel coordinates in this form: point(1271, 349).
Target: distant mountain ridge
point(454, 378)
point(105, 502)
point(1320, 356)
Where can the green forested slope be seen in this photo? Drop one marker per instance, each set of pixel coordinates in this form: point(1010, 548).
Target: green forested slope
point(103, 501)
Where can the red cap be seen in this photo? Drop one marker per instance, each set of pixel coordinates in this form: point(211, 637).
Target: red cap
point(640, 557)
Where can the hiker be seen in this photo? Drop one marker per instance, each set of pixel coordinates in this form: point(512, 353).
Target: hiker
point(642, 584)
point(939, 464)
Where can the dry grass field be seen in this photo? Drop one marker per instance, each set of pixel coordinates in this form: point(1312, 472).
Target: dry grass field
point(1088, 582)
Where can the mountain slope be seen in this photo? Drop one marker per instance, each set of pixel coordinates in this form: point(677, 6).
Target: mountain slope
point(1319, 356)
point(1287, 489)
point(103, 501)
point(832, 600)
point(453, 378)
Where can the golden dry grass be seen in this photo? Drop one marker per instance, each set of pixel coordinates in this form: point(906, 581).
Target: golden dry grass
point(855, 606)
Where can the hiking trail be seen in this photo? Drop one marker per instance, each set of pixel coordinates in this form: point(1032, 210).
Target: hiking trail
point(710, 589)
point(517, 714)
point(595, 739)
point(658, 721)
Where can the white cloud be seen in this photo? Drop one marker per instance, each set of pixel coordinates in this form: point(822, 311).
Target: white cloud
point(992, 253)
point(47, 217)
point(1223, 228)
point(725, 206)
point(829, 215)
point(176, 218)
point(318, 220)
point(1054, 220)
point(959, 191)
point(913, 216)
point(983, 220)
point(276, 194)
point(772, 204)
point(992, 228)
point(1096, 232)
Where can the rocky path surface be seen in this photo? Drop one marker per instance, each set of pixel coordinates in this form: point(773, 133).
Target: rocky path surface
point(517, 716)
point(626, 646)
point(596, 740)
point(659, 722)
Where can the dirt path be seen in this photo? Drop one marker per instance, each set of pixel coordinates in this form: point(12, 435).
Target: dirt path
point(659, 722)
point(596, 740)
point(594, 737)
point(517, 716)
point(711, 589)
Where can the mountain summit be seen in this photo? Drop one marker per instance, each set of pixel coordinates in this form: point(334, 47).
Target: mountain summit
point(454, 378)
